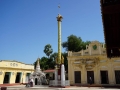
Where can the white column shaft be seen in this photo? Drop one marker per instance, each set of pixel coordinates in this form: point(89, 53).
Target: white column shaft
point(62, 75)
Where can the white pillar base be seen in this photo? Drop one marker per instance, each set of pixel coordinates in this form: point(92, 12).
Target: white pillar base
point(62, 75)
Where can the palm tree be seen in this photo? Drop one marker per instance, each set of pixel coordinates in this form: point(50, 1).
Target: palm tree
point(48, 50)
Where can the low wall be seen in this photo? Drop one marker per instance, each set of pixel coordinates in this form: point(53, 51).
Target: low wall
point(59, 83)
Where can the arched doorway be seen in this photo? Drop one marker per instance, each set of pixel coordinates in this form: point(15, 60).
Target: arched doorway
point(36, 81)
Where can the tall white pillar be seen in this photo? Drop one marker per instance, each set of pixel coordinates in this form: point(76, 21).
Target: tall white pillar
point(62, 75)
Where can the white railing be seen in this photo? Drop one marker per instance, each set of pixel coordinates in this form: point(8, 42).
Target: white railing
point(58, 83)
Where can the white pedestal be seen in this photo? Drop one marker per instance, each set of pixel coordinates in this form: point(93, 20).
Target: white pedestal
point(62, 75)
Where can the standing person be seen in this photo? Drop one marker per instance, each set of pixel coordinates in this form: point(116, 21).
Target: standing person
point(90, 81)
point(31, 82)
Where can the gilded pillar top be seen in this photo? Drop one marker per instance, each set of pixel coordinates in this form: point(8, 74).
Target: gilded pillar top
point(59, 17)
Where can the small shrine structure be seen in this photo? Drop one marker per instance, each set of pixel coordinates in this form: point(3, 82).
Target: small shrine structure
point(38, 76)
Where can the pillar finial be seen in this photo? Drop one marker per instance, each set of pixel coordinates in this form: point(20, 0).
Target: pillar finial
point(59, 17)
point(59, 8)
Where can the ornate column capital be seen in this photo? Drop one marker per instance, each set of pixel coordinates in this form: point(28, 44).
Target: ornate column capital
point(59, 18)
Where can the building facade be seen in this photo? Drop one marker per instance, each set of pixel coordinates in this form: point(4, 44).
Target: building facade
point(12, 72)
point(93, 62)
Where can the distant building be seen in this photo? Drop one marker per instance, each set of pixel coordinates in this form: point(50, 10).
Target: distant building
point(49, 73)
point(110, 10)
point(12, 72)
point(93, 62)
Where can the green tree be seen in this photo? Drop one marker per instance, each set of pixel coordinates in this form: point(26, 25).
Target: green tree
point(53, 59)
point(43, 63)
point(54, 55)
point(74, 43)
point(48, 49)
point(47, 63)
point(83, 44)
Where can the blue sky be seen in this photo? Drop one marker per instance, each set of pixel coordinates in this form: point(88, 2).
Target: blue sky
point(26, 26)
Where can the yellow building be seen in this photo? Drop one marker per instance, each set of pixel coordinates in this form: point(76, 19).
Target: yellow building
point(12, 72)
point(93, 63)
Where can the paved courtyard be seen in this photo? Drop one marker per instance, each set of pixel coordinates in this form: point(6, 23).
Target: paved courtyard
point(41, 87)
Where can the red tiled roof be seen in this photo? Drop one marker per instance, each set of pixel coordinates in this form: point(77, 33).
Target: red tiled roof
point(50, 70)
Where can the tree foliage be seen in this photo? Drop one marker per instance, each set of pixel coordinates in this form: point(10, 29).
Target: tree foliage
point(43, 63)
point(74, 43)
point(83, 44)
point(54, 55)
point(48, 49)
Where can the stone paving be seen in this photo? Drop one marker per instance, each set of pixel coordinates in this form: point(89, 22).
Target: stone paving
point(41, 87)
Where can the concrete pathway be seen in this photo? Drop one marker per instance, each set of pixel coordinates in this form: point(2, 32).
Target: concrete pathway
point(42, 87)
